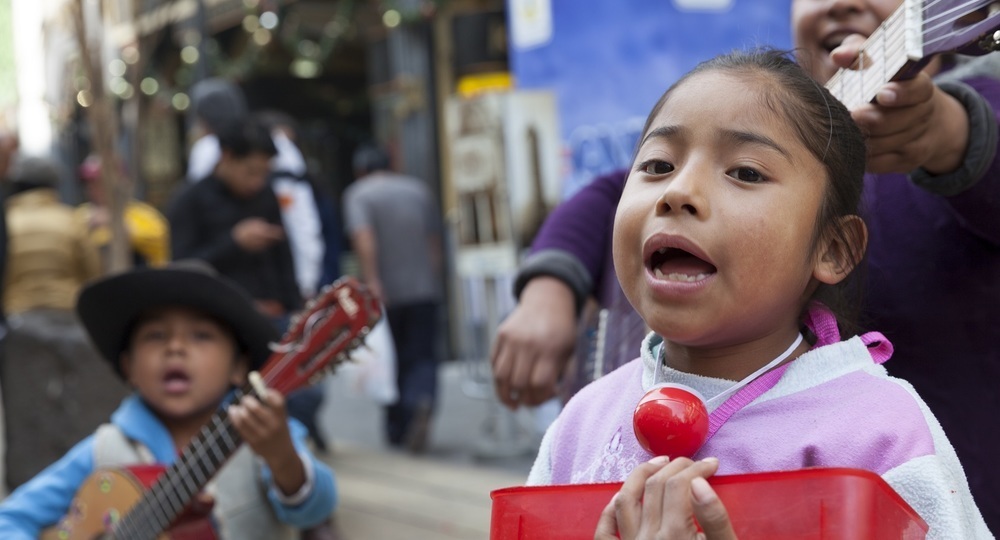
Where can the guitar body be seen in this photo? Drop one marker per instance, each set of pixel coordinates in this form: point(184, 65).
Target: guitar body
point(108, 494)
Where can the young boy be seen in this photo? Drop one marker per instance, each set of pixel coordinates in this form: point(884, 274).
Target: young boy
point(182, 338)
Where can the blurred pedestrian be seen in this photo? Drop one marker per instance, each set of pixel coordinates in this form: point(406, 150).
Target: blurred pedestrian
point(218, 105)
point(307, 210)
point(148, 230)
point(55, 387)
point(314, 237)
point(231, 220)
point(394, 226)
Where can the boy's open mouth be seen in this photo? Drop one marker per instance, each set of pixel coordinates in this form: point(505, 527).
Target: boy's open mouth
point(176, 380)
point(675, 264)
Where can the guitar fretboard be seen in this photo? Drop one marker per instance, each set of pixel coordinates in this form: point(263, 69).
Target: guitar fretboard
point(189, 474)
point(886, 52)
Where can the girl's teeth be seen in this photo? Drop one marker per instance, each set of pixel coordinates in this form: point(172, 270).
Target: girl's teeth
point(673, 276)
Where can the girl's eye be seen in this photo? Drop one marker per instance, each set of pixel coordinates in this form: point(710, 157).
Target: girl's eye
point(656, 167)
point(748, 175)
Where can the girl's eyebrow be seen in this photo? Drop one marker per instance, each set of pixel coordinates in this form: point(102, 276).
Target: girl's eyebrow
point(746, 137)
point(663, 132)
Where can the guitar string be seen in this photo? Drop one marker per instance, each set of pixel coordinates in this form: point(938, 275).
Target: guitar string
point(198, 451)
point(176, 479)
point(849, 80)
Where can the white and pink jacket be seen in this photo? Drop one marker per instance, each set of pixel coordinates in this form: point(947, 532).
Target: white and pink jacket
point(832, 407)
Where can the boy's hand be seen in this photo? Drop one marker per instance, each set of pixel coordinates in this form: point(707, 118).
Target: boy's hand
point(662, 499)
point(912, 123)
point(264, 426)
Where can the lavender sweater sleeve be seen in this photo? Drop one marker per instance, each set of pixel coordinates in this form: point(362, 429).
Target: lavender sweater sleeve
point(572, 244)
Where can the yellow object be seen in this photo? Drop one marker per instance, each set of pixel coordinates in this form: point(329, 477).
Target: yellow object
point(472, 85)
point(148, 230)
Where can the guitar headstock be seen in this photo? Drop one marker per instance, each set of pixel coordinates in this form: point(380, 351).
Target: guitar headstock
point(322, 335)
point(964, 26)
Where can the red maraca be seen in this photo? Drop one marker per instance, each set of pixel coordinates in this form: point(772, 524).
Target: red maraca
point(671, 420)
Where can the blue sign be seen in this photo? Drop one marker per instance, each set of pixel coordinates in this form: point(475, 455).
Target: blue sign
point(609, 61)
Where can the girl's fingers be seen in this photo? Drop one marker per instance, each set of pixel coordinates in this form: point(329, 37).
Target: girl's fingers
point(607, 525)
point(710, 512)
point(633, 493)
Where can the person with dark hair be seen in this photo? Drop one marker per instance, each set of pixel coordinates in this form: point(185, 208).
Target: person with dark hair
point(232, 220)
point(218, 104)
point(394, 227)
point(736, 220)
point(55, 388)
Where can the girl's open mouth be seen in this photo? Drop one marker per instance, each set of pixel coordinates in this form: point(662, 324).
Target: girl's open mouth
point(675, 264)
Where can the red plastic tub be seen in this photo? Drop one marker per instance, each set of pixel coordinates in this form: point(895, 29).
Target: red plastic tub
point(826, 503)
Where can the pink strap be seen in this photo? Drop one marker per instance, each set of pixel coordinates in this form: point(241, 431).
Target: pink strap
point(743, 397)
point(823, 324)
point(878, 346)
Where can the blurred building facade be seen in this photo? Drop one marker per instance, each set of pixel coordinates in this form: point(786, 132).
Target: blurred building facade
point(348, 71)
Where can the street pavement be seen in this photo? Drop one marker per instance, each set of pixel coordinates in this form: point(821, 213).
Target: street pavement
point(475, 446)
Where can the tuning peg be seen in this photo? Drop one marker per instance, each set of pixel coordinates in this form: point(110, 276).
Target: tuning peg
point(990, 42)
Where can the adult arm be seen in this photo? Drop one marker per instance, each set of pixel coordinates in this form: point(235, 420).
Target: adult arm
point(45, 499)
point(366, 248)
point(973, 190)
point(572, 242)
point(535, 342)
point(189, 241)
point(943, 134)
point(363, 240)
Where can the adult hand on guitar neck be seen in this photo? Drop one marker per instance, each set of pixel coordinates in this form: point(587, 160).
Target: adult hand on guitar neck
point(534, 343)
point(913, 123)
point(264, 427)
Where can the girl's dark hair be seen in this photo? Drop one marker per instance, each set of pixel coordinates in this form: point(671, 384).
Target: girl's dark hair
point(825, 127)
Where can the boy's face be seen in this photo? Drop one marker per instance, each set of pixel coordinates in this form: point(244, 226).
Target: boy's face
point(713, 237)
point(244, 176)
point(182, 363)
point(819, 26)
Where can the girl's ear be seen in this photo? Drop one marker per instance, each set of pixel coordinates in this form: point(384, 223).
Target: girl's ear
point(840, 249)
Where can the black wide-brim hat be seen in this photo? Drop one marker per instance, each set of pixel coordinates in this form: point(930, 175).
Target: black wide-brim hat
point(109, 307)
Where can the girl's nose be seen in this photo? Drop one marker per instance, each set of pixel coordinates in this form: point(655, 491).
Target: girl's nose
point(684, 194)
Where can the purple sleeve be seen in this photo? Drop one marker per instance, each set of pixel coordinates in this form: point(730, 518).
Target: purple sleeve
point(572, 244)
point(581, 226)
point(973, 191)
point(978, 208)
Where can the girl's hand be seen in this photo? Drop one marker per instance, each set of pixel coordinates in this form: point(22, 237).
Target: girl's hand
point(264, 427)
point(912, 123)
point(662, 499)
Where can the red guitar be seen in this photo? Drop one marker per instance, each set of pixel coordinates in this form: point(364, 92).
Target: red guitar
point(151, 501)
